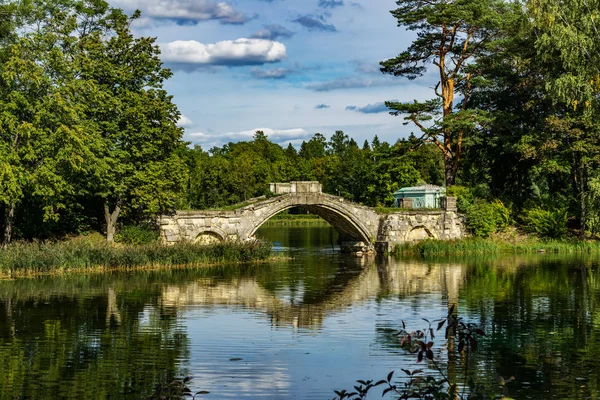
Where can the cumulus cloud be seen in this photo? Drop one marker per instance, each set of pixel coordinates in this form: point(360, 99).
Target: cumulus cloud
point(276, 73)
point(351, 82)
point(189, 54)
point(275, 135)
point(272, 32)
point(314, 22)
point(369, 108)
point(184, 121)
point(330, 3)
point(321, 106)
point(186, 11)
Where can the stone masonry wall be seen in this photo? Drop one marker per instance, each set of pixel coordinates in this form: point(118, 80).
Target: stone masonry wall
point(408, 226)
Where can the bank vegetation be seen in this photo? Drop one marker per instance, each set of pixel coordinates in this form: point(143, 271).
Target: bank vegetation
point(93, 254)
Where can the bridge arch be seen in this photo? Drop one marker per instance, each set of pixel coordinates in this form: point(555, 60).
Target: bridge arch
point(339, 217)
point(209, 235)
point(420, 232)
point(360, 227)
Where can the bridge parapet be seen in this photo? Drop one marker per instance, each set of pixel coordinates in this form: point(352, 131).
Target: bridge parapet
point(296, 187)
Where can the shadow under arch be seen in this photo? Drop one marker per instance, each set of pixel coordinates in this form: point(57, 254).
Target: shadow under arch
point(420, 232)
point(349, 227)
point(210, 236)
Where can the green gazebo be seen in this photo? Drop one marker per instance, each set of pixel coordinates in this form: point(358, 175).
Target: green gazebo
point(426, 196)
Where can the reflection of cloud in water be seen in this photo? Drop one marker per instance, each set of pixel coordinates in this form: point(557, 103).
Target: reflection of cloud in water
point(239, 378)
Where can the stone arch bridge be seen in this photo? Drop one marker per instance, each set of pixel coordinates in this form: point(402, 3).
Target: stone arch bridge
point(361, 228)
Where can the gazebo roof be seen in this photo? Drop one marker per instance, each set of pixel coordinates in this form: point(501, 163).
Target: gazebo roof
point(422, 189)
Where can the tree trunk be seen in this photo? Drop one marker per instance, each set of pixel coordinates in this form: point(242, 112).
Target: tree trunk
point(111, 219)
point(8, 224)
point(449, 170)
point(583, 215)
point(580, 183)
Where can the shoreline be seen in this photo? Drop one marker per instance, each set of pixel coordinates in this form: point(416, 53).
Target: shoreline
point(90, 255)
point(102, 269)
point(494, 246)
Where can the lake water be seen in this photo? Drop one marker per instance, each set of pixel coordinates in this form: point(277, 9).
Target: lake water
point(300, 327)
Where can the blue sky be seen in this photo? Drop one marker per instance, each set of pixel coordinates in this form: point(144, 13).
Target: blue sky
point(289, 67)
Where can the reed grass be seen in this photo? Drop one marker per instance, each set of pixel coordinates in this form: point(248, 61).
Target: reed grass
point(27, 259)
point(472, 246)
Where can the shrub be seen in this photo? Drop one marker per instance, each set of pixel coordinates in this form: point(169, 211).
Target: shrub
point(136, 235)
point(464, 197)
point(550, 223)
point(485, 218)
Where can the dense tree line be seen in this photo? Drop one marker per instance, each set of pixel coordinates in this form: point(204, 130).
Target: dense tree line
point(369, 174)
point(88, 135)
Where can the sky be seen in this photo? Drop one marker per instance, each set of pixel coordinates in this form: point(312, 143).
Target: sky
point(288, 67)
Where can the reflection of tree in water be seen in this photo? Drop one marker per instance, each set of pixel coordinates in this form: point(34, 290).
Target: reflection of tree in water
point(543, 324)
point(117, 336)
point(94, 345)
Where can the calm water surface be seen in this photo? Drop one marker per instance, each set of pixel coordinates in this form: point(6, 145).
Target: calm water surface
point(298, 328)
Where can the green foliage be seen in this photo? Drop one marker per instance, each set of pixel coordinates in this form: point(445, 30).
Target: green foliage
point(83, 114)
point(135, 234)
point(546, 222)
point(89, 253)
point(593, 201)
point(449, 36)
point(465, 197)
point(238, 172)
point(485, 218)
point(567, 36)
point(480, 246)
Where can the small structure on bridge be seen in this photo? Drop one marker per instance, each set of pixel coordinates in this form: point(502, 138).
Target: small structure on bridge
point(425, 196)
point(296, 187)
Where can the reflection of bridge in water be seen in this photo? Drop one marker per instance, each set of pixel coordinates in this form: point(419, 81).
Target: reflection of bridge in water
point(376, 279)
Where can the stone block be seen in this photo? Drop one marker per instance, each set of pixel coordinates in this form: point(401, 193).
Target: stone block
point(448, 203)
point(405, 203)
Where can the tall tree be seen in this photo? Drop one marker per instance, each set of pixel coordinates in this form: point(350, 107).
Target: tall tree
point(568, 41)
point(450, 34)
point(42, 132)
point(134, 117)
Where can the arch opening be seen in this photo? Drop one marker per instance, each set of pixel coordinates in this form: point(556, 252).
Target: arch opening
point(348, 229)
point(208, 237)
point(420, 232)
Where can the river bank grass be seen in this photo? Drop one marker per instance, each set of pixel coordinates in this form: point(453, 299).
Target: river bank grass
point(474, 246)
point(93, 255)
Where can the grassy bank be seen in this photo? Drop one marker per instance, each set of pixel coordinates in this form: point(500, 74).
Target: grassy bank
point(90, 254)
point(470, 246)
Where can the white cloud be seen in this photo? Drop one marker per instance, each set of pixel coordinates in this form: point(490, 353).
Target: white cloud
point(351, 82)
point(227, 52)
point(184, 121)
point(277, 73)
point(186, 11)
point(281, 136)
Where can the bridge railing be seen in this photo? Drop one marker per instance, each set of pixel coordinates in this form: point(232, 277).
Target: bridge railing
point(296, 187)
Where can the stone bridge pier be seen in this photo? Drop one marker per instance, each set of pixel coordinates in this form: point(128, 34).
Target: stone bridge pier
point(361, 228)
